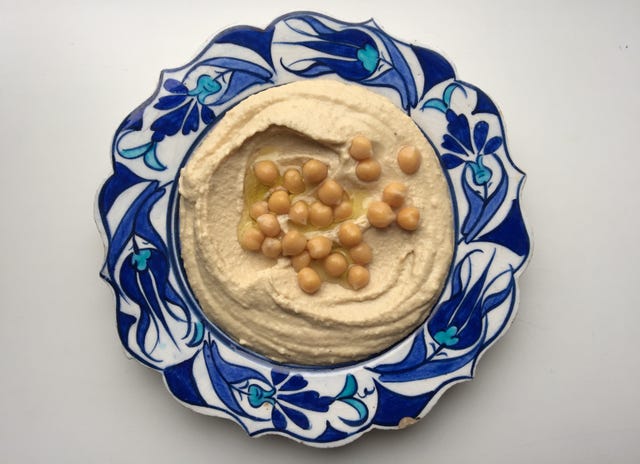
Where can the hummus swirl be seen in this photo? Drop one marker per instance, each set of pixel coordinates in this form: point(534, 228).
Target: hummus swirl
point(256, 300)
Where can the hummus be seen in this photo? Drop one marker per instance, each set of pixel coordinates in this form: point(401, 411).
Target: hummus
point(255, 299)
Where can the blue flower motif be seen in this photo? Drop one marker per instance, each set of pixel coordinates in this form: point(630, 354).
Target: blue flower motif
point(223, 80)
point(139, 259)
point(362, 54)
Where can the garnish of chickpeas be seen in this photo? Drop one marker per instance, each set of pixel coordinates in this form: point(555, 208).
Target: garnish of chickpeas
point(368, 170)
point(335, 264)
point(349, 234)
point(266, 172)
point(279, 202)
point(293, 182)
point(299, 212)
point(330, 192)
point(361, 253)
point(394, 194)
point(343, 211)
point(320, 215)
point(314, 171)
point(309, 280)
point(409, 159)
point(268, 224)
point(380, 214)
point(408, 218)
point(360, 148)
point(293, 243)
point(358, 276)
point(305, 197)
point(319, 247)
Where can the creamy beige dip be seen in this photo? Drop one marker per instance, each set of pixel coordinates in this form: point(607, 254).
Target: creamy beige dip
point(256, 300)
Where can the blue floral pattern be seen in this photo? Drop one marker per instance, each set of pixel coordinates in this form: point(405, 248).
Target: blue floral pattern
point(158, 319)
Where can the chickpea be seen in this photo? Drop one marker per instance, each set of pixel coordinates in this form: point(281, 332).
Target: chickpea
point(342, 211)
point(258, 209)
point(293, 243)
point(349, 234)
point(299, 212)
point(319, 247)
point(300, 261)
point(409, 159)
point(330, 192)
point(292, 181)
point(335, 264)
point(267, 172)
point(309, 280)
point(360, 148)
point(279, 202)
point(361, 253)
point(251, 239)
point(409, 218)
point(394, 194)
point(320, 215)
point(358, 277)
point(380, 214)
point(268, 224)
point(314, 171)
point(368, 170)
point(271, 247)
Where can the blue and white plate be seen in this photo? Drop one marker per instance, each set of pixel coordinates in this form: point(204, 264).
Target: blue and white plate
point(158, 318)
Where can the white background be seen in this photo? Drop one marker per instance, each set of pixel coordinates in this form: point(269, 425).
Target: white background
point(561, 386)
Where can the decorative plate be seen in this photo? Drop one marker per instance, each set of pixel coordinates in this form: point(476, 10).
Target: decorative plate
point(158, 319)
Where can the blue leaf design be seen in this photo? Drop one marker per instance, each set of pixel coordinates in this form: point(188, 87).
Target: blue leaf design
point(489, 206)
point(449, 143)
point(239, 82)
point(192, 122)
point(310, 400)
point(207, 115)
point(492, 145)
point(234, 373)
point(475, 202)
point(435, 68)
point(170, 123)
point(433, 368)
point(296, 417)
point(170, 101)
point(511, 232)
point(459, 127)
point(175, 86)
point(451, 161)
point(253, 39)
point(416, 355)
point(122, 179)
point(480, 132)
point(198, 335)
point(218, 381)
point(496, 299)
point(279, 421)
point(124, 231)
point(295, 382)
point(278, 377)
point(393, 407)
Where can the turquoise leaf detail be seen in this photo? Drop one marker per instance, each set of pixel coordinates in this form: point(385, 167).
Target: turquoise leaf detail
point(258, 396)
point(447, 337)
point(369, 57)
point(481, 173)
point(148, 152)
point(347, 396)
point(205, 87)
point(139, 259)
